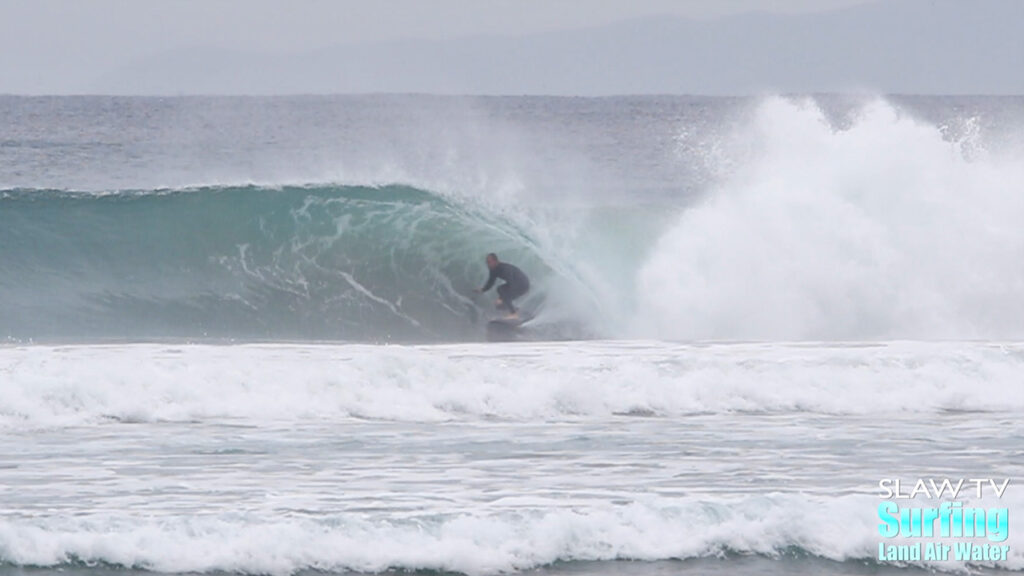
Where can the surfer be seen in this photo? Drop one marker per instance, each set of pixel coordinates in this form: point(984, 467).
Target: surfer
point(516, 283)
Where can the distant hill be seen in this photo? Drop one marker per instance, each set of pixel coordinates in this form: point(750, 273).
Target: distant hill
point(901, 46)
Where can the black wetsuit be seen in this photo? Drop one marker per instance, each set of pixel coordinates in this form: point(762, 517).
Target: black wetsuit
point(516, 284)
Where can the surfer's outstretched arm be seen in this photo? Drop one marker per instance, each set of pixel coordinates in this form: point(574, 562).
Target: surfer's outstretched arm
point(490, 281)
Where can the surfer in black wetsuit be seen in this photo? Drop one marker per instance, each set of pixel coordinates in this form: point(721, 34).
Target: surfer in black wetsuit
point(516, 283)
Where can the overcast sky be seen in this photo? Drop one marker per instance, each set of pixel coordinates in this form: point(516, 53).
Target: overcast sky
point(90, 46)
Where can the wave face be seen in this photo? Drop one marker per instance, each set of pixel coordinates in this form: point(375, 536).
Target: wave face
point(776, 219)
point(337, 262)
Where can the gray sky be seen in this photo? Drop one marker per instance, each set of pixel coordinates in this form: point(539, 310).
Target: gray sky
point(126, 46)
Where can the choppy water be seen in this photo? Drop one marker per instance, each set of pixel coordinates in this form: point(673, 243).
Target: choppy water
point(484, 458)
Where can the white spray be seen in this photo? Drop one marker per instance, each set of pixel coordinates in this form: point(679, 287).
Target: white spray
point(885, 229)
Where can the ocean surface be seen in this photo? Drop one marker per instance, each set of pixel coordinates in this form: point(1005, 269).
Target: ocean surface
point(238, 335)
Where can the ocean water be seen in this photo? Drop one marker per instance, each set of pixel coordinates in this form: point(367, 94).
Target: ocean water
point(240, 335)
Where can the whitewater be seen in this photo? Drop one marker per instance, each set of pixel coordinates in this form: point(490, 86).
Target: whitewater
point(240, 337)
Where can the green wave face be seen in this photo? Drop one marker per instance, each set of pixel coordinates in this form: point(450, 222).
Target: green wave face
point(352, 263)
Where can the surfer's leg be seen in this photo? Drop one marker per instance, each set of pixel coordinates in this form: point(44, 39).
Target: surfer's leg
point(506, 298)
point(515, 291)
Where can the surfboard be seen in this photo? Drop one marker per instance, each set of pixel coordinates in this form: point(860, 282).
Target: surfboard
point(506, 329)
point(519, 320)
point(509, 322)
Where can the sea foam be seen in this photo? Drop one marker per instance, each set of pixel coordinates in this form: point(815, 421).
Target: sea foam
point(773, 525)
point(47, 386)
point(887, 228)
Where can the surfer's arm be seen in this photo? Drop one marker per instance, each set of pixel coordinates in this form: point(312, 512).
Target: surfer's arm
point(490, 281)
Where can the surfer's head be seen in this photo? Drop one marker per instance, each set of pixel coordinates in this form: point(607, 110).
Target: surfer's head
point(492, 260)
